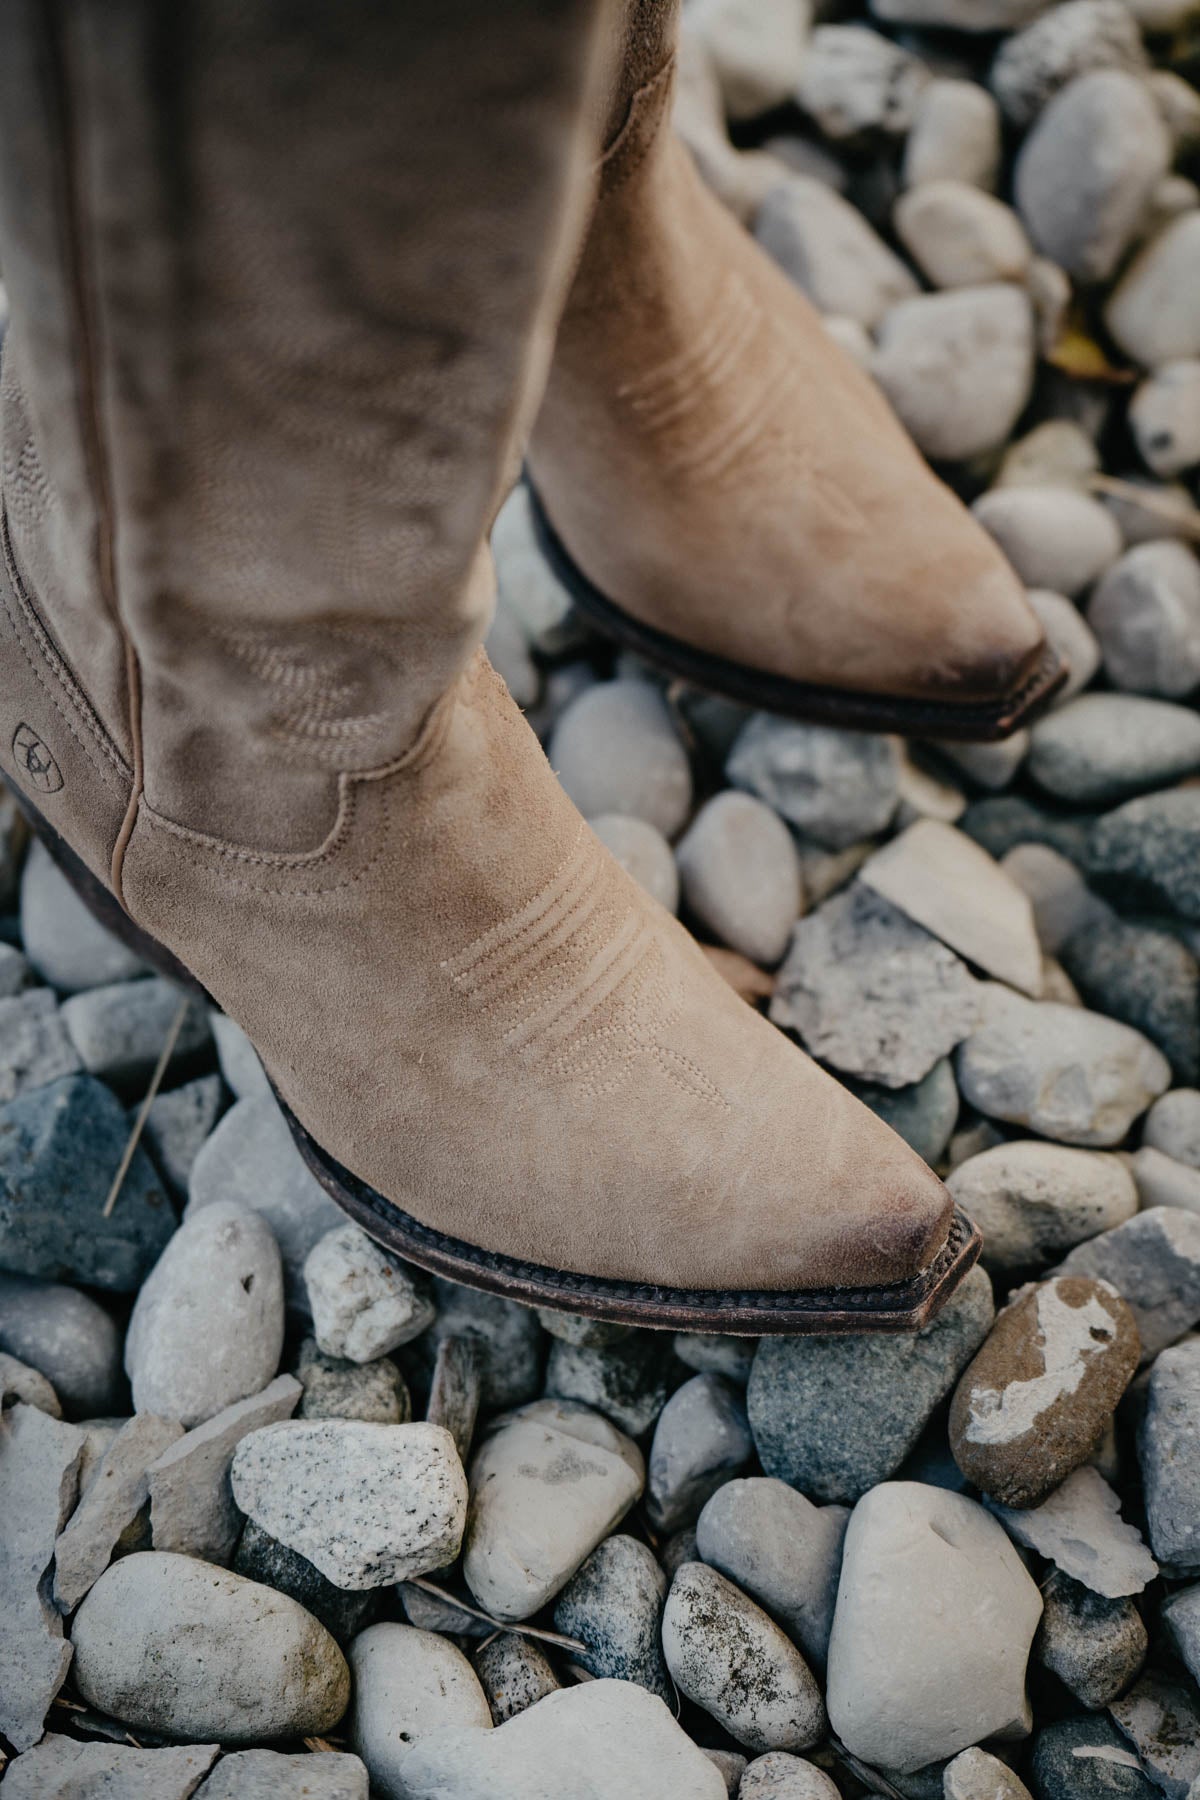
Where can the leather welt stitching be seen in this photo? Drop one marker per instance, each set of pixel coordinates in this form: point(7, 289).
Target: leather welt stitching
point(63, 681)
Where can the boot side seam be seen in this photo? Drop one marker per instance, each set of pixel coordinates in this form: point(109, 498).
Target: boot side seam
point(54, 677)
point(638, 135)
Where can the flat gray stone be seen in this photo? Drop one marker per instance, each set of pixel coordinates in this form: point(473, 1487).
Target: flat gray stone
point(1153, 1261)
point(171, 1644)
point(547, 1484)
point(1169, 1454)
point(66, 1336)
point(368, 1505)
point(252, 1160)
point(912, 1678)
point(1148, 850)
point(112, 1499)
point(408, 1685)
point(61, 935)
point(837, 787)
point(1080, 1529)
point(1161, 1719)
point(266, 1775)
point(39, 1476)
point(1066, 1073)
point(941, 879)
point(119, 1030)
point(870, 992)
point(34, 1045)
point(729, 1658)
point(177, 1125)
point(1103, 748)
point(833, 1416)
point(62, 1768)
point(701, 1439)
point(191, 1502)
point(550, 1750)
point(207, 1327)
point(613, 1604)
point(1034, 1200)
point(363, 1301)
point(780, 1549)
point(514, 1674)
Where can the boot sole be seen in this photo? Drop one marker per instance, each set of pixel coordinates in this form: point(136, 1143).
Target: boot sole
point(896, 1307)
point(969, 721)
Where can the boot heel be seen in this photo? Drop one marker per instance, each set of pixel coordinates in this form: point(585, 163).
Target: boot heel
point(103, 905)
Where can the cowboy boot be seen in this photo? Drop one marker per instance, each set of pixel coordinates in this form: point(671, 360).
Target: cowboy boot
point(781, 540)
point(278, 324)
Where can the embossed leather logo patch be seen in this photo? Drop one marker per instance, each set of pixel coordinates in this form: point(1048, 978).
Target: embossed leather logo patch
point(32, 756)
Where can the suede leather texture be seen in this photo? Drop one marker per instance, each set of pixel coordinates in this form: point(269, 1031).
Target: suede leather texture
point(305, 346)
point(770, 509)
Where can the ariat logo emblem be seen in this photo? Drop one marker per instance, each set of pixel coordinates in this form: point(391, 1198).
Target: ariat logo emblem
point(31, 755)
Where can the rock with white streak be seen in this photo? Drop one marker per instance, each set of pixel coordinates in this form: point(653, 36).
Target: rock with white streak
point(828, 249)
point(62, 1768)
point(39, 1477)
point(1034, 1403)
point(958, 367)
point(727, 1656)
point(1068, 1074)
point(112, 1499)
point(643, 852)
point(1068, 42)
point(837, 787)
point(855, 81)
point(741, 875)
point(363, 1301)
point(1079, 1528)
point(959, 236)
point(1034, 1200)
point(1086, 172)
point(1151, 312)
point(365, 1504)
point(702, 1439)
point(1153, 1261)
point(550, 1750)
point(66, 1336)
point(547, 1484)
point(170, 1644)
point(941, 879)
point(251, 1159)
point(1086, 1759)
point(207, 1325)
point(191, 1502)
point(756, 48)
point(1169, 1454)
point(1165, 417)
point(955, 133)
point(871, 992)
point(616, 749)
point(1160, 1719)
point(1054, 537)
point(408, 1685)
point(1146, 616)
point(974, 1775)
point(268, 1775)
point(912, 1678)
point(780, 1549)
point(833, 1416)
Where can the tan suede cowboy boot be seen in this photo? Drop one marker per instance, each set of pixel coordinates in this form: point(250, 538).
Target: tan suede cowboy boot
point(257, 410)
point(723, 490)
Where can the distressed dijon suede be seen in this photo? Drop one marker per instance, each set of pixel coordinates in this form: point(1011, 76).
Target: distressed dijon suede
point(725, 474)
point(243, 681)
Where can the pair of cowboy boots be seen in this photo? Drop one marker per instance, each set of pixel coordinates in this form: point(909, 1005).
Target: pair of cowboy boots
point(287, 291)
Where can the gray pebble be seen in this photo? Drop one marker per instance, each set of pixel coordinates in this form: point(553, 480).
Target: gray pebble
point(1094, 1645)
point(1165, 417)
point(616, 750)
point(780, 1776)
point(363, 1301)
point(266, 1775)
point(117, 1491)
point(1151, 311)
point(835, 1415)
point(259, 1557)
point(702, 1439)
point(1148, 852)
point(741, 875)
point(1160, 1718)
point(829, 250)
point(1086, 1759)
point(1181, 1615)
point(333, 1389)
point(613, 1604)
point(837, 787)
point(627, 1381)
point(643, 852)
point(1066, 43)
point(958, 367)
point(1070, 635)
point(62, 937)
point(178, 1124)
point(244, 1074)
point(119, 1030)
point(1147, 979)
point(408, 1684)
point(19, 1382)
point(727, 1656)
point(207, 1325)
point(1169, 1454)
point(168, 1643)
point(509, 1339)
point(191, 1502)
point(1173, 1126)
point(1054, 537)
point(1061, 900)
point(955, 132)
point(974, 1775)
point(35, 1047)
point(528, 586)
point(1146, 615)
point(1103, 748)
point(714, 1353)
point(780, 1549)
point(39, 1479)
point(1034, 1200)
point(368, 1505)
point(853, 80)
point(959, 236)
point(1153, 1261)
point(69, 1338)
point(514, 1674)
point(62, 1768)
